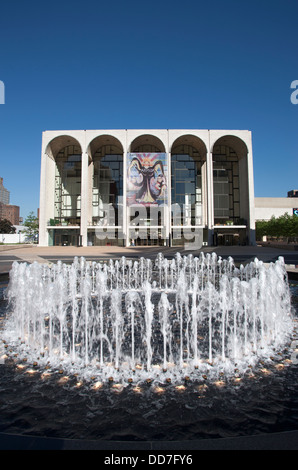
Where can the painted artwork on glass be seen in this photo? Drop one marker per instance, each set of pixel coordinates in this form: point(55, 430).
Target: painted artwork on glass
point(146, 179)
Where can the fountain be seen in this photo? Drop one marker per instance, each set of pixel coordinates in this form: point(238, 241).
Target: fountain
point(162, 320)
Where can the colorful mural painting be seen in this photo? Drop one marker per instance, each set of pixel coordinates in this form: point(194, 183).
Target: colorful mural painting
point(146, 179)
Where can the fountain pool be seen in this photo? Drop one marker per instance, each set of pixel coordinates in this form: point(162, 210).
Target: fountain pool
point(129, 319)
point(166, 349)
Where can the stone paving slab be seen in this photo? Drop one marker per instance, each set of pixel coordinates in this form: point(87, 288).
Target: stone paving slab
point(274, 441)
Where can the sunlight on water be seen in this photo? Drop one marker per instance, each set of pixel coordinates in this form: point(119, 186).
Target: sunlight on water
point(142, 319)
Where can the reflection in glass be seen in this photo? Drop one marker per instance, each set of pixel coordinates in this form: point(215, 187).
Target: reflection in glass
point(187, 186)
point(226, 185)
point(107, 197)
point(107, 187)
point(68, 186)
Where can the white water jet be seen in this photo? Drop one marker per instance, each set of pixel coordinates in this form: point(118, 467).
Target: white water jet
point(165, 309)
point(137, 317)
point(149, 310)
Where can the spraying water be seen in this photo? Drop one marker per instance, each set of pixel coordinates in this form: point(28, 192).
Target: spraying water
point(123, 318)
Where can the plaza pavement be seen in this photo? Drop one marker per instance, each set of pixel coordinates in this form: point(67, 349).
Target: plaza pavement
point(240, 254)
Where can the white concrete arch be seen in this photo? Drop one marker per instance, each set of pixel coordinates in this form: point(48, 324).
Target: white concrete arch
point(190, 143)
point(236, 144)
point(191, 140)
point(241, 139)
point(233, 141)
point(138, 139)
point(189, 134)
point(53, 141)
point(94, 136)
point(104, 140)
point(104, 146)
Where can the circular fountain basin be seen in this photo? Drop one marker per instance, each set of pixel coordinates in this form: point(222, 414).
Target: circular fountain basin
point(186, 349)
point(127, 319)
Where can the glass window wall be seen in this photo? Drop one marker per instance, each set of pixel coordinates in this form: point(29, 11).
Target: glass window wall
point(226, 185)
point(68, 186)
point(107, 190)
point(186, 187)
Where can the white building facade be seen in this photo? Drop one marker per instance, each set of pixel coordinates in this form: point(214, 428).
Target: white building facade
point(267, 207)
point(168, 187)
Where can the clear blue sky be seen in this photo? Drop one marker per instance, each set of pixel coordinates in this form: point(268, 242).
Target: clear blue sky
point(159, 64)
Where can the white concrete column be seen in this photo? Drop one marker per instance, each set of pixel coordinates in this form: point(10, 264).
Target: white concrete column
point(43, 235)
point(210, 198)
point(251, 196)
point(204, 194)
point(84, 197)
point(90, 190)
point(167, 208)
point(168, 215)
point(47, 196)
point(125, 220)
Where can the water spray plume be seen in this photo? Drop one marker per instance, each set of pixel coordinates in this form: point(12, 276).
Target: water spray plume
point(127, 321)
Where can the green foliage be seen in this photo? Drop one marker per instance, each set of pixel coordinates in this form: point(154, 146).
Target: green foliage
point(6, 226)
point(32, 224)
point(284, 226)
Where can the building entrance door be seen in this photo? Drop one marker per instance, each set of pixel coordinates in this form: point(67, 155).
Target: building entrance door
point(146, 237)
point(149, 238)
point(66, 238)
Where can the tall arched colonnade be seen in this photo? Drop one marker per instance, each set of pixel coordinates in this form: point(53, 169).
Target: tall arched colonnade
point(147, 187)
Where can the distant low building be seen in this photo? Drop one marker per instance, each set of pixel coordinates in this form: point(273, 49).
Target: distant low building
point(10, 212)
point(267, 207)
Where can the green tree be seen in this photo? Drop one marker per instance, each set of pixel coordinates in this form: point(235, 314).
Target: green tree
point(285, 226)
point(289, 225)
point(32, 225)
point(6, 226)
point(261, 229)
